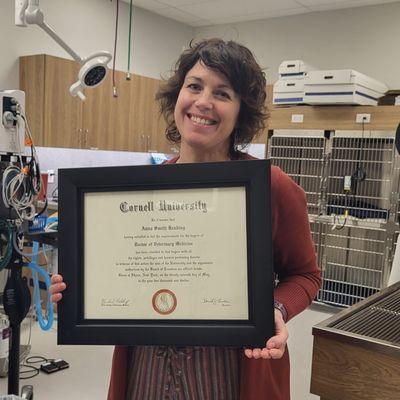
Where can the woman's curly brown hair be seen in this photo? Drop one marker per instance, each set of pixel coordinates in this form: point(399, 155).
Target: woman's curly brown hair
point(237, 63)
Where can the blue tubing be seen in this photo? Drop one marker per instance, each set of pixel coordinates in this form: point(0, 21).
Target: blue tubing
point(36, 290)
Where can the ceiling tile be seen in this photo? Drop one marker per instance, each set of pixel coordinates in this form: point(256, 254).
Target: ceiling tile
point(200, 23)
point(227, 8)
point(321, 2)
point(257, 16)
point(182, 16)
point(324, 5)
point(342, 3)
point(213, 12)
point(281, 13)
point(148, 4)
point(178, 3)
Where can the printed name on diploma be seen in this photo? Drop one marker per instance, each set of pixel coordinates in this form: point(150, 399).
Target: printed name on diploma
point(164, 228)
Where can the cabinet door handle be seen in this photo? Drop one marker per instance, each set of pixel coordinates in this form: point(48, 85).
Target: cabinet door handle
point(86, 137)
point(80, 144)
point(147, 142)
point(142, 142)
point(149, 149)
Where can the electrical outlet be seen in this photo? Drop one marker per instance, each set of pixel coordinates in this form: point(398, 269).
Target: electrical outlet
point(360, 118)
point(297, 118)
point(50, 175)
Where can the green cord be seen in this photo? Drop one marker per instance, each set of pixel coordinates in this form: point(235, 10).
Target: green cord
point(129, 38)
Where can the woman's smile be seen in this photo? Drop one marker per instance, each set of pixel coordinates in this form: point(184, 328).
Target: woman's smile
point(201, 120)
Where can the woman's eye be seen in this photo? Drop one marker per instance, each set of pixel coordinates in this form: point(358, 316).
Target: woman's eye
point(194, 86)
point(223, 94)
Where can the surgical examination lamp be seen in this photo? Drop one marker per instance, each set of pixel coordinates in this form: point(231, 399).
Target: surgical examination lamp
point(94, 67)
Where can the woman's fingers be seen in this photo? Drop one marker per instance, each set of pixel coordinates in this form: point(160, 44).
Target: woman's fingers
point(55, 298)
point(277, 353)
point(248, 353)
point(56, 278)
point(253, 353)
point(57, 287)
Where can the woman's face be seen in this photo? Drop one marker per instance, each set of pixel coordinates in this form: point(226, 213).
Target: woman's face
point(206, 110)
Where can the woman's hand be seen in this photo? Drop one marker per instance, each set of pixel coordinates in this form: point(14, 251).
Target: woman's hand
point(275, 346)
point(57, 286)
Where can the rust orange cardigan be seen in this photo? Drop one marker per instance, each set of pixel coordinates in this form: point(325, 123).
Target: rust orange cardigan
point(299, 280)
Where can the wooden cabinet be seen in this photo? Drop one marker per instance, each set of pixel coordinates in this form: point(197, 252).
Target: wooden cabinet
point(129, 121)
point(106, 118)
point(346, 371)
point(148, 126)
point(356, 352)
point(53, 114)
point(262, 138)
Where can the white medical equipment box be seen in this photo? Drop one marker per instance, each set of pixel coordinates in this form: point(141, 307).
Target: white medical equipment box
point(344, 86)
point(293, 69)
point(288, 91)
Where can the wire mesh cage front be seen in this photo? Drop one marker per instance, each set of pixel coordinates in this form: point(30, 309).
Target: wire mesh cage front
point(350, 225)
point(367, 165)
point(353, 264)
point(301, 158)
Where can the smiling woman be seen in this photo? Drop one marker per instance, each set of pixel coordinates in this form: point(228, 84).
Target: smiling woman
point(214, 103)
point(215, 100)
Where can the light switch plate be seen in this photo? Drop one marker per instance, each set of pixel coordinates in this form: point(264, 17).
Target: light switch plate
point(360, 118)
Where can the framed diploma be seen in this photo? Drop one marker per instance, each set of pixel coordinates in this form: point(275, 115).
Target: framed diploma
point(177, 254)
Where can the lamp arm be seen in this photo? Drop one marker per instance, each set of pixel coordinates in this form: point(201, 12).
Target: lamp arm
point(34, 16)
point(54, 35)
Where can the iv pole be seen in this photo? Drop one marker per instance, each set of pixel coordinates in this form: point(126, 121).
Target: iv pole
point(16, 302)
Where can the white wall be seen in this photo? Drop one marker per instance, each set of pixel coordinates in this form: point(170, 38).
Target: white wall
point(88, 26)
point(366, 39)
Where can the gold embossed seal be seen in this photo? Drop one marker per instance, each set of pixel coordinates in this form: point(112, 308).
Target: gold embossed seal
point(164, 301)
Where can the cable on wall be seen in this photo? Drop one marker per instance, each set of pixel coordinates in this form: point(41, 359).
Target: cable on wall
point(128, 73)
point(115, 94)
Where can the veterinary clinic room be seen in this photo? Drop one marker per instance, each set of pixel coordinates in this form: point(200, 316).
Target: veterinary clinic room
point(127, 124)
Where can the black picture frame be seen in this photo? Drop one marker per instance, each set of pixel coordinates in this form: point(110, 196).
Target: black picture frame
point(253, 175)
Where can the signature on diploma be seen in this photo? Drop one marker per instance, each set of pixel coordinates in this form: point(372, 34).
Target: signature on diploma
point(115, 302)
point(216, 301)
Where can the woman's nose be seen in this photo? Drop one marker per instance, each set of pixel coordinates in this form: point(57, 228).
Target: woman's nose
point(204, 100)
